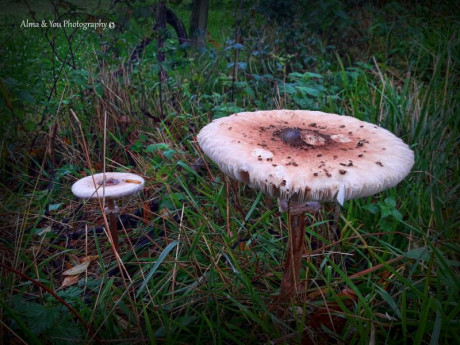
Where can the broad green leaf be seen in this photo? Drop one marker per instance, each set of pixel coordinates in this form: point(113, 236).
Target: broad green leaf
point(288, 88)
point(390, 202)
point(54, 207)
point(421, 253)
point(372, 208)
point(158, 146)
point(169, 153)
point(313, 75)
point(295, 75)
point(390, 211)
point(309, 91)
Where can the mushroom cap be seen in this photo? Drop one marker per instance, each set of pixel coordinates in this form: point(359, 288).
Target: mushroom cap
point(302, 155)
point(117, 185)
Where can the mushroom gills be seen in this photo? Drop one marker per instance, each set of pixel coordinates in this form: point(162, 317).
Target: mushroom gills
point(341, 195)
point(243, 176)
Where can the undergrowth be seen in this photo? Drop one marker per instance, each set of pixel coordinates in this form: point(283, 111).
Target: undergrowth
point(201, 256)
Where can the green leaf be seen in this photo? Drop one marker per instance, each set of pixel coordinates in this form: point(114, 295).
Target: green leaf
point(305, 90)
point(98, 88)
point(79, 77)
point(169, 153)
point(295, 75)
point(20, 321)
point(421, 253)
point(158, 146)
point(288, 88)
point(304, 102)
point(391, 302)
point(437, 325)
point(64, 332)
point(26, 96)
point(242, 65)
point(249, 92)
point(44, 320)
point(390, 202)
point(184, 165)
point(390, 211)
point(372, 208)
point(54, 207)
point(387, 223)
point(67, 169)
point(37, 317)
point(312, 75)
point(157, 264)
point(136, 147)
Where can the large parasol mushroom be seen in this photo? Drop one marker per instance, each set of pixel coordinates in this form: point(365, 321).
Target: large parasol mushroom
point(111, 185)
point(302, 158)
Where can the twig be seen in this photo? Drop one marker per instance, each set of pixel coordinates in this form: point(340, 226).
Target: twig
point(375, 268)
point(51, 155)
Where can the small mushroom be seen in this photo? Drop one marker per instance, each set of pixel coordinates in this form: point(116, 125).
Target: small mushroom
point(299, 187)
point(111, 186)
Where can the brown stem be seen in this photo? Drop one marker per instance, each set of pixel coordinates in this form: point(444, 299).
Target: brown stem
point(296, 248)
point(113, 223)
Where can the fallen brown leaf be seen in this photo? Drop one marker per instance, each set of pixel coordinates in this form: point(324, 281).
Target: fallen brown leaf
point(77, 269)
point(70, 280)
point(89, 258)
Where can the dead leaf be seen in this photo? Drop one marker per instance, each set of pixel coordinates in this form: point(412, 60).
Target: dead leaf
point(70, 280)
point(89, 258)
point(165, 213)
point(243, 246)
point(73, 243)
point(330, 317)
point(77, 269)
point(44, 231)
point(132, 181)
point(386, 316)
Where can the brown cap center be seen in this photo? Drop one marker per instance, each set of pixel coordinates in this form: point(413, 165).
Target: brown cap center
point(109, 182)
point(291, 136)
point(296, 137)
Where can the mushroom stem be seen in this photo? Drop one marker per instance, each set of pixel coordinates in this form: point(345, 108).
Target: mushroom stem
point(112, 211)
point(296, 242)
point(296, 248)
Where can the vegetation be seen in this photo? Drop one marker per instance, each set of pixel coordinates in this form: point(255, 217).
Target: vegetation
point(201, 256)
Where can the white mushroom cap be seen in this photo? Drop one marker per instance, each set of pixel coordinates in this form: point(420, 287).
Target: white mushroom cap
point(304, 155)
point(117, 185)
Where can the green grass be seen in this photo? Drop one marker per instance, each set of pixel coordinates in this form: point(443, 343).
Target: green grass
point(389, 276)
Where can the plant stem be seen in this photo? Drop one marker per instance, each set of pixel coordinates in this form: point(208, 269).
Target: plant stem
point(113, 223)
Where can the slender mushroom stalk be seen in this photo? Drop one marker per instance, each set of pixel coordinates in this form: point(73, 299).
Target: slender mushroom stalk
point(112, 211)
point(296, 242)
point(110, 186)
point(305, 156)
